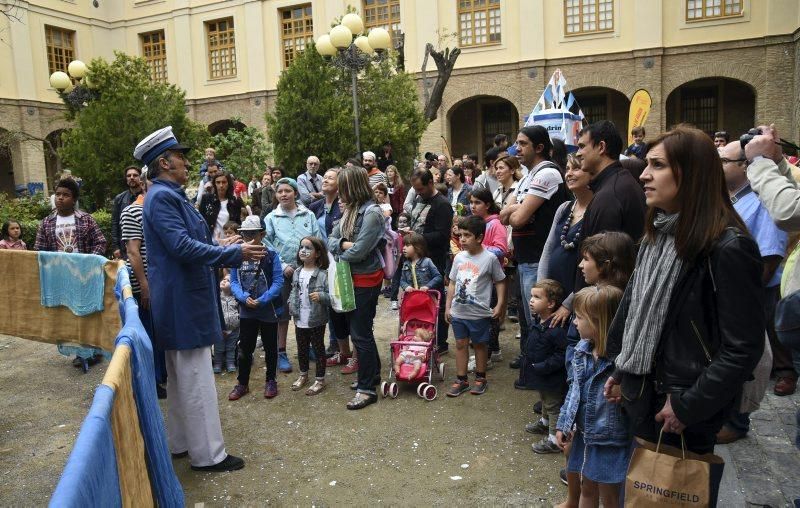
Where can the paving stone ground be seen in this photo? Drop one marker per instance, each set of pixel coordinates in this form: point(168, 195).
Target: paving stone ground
point(763, 469)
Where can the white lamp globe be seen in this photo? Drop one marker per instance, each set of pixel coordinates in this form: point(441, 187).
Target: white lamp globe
point(379, 39)
point(341, 36)
point(59, 80)
point(353, 22)
point(324, 46)
point(362, 43)
point(77, 69)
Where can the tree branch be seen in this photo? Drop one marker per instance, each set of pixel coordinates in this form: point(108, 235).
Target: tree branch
point(445, 62)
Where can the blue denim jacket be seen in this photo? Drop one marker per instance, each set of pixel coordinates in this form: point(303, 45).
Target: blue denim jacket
point(427, 274)
point(605, 424)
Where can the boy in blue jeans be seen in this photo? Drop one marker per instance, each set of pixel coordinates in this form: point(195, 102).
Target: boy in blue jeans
point(475, 271)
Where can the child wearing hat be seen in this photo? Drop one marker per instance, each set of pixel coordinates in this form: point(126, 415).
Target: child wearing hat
point(257, 287)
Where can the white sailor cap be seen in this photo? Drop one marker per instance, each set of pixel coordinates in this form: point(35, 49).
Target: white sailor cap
point(156, 143)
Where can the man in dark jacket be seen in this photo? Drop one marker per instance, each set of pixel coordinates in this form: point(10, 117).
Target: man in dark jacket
point(133, 178)
point(432, 217)
point(184, 299)
point(618, 203)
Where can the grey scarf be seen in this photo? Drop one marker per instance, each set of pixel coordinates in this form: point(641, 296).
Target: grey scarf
point(657, 270)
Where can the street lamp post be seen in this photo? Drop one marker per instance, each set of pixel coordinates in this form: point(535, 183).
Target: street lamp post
point(346, 48)
point(76, 96)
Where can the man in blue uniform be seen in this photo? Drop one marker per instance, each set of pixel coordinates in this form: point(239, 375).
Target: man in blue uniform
point(184, 302)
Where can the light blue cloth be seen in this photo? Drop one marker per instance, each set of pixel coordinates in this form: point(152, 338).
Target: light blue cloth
point(90, 477)
point(771, 240)
point(73, 280)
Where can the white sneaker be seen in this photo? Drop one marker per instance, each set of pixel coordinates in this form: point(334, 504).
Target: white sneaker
point(471, 364)
point(497, 356)
point(394, 305)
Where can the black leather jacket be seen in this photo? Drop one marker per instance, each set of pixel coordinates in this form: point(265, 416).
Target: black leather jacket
point(713, 335)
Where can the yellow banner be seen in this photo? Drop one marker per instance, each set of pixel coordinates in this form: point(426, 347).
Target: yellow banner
point(640, 107)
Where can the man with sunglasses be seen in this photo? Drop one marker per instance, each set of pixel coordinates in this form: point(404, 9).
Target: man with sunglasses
point(184, 298)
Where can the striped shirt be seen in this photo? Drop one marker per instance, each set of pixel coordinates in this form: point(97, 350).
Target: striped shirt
point(376, 177)
point(131, 223)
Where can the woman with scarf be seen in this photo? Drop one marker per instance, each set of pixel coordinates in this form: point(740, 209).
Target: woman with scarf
point(356, 239)
point(685, 337)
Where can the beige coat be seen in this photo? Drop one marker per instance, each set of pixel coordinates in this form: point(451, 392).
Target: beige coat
point(777, 188)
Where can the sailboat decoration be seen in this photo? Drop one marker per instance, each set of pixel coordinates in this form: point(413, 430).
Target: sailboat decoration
point(558, 112)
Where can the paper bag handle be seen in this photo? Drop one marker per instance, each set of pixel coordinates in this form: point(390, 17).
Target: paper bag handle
point(683, 443)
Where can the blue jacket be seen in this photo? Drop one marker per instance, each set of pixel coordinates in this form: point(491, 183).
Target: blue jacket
point(184, 293)
point(427, 274)
point(368, 232)
point(263, 281)
point(542, 363)
point(317, 283)
point(463, 197)
point(326, 220)
point(284, 233)
point(606, 424)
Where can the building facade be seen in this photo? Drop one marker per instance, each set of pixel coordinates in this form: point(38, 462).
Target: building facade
point(719, 64)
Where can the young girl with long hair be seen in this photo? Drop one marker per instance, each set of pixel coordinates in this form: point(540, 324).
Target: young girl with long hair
point(596, 428)
point(11, 236)
point(308, 304)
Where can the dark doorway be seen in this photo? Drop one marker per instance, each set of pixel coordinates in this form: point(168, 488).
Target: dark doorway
point(475, 122)
point(713, 104)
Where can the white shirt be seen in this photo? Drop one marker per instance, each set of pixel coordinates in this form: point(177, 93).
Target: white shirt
point(222, 219)
point(66, 239)
point(305, 303)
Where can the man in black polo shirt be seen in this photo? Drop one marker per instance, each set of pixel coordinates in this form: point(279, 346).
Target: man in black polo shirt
point(432, 217)
point(618, 203)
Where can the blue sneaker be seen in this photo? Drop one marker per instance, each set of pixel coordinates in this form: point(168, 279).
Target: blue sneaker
point(284, 365)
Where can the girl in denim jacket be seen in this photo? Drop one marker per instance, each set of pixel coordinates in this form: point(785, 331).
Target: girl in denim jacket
point(597, 429)
point(418, 271)
point(309, 301)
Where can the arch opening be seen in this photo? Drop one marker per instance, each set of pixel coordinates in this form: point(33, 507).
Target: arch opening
point(713, 104)
point(491, 114)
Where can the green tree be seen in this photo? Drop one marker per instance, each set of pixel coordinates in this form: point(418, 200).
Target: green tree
point(243, 152)
point(314, 113)
point(127, 106)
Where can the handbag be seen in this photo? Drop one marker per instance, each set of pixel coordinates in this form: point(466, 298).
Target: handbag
point(340, 284)
point(661, 475)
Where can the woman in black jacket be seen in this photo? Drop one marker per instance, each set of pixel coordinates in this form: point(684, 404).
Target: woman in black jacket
point(688, 333)
point(212, 202)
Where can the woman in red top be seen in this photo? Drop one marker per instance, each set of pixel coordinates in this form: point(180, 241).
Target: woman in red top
point(356, 239)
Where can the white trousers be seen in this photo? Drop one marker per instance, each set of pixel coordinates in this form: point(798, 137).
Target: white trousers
point(192, 411)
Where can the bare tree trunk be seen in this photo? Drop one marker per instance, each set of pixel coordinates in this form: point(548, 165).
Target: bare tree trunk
point(445, 61)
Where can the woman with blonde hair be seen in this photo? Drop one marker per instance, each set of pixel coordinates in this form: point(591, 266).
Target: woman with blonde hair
point(356, 240)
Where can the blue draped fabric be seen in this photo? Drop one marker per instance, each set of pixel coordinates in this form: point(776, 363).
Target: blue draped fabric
point(167, 490)
point(76, 281)
point(90, 477)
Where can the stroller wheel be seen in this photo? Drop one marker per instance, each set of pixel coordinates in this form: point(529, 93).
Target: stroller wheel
point(420, 387)
point(441, 371)
point(429, 393)
point(393, 390)
point(384, 388)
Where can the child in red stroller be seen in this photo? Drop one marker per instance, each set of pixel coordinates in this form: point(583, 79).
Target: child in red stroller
point(414, 357)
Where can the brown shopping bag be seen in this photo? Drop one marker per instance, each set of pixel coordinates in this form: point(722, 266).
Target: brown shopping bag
point(661, 475)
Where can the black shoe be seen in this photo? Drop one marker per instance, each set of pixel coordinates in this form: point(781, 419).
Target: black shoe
point(537, 408)
point(563, 476)
point(360, 402)
point(180, 455)
point(230, 463)
point(161, 392)
point(521, 386)
point(515, 363)
point(332, 350)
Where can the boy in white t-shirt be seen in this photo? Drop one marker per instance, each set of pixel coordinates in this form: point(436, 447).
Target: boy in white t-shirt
point(475, 271)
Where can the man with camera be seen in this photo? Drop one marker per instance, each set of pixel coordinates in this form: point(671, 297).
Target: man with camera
point(771, 178)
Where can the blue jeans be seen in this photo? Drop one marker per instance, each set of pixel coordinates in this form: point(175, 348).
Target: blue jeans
point(527, 278)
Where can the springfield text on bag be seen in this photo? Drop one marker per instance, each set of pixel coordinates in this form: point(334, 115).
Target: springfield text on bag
point(669, 494)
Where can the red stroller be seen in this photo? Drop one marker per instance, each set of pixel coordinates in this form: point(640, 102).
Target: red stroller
point(418, 310)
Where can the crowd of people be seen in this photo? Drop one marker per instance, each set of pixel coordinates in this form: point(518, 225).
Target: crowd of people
point(645, 284)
